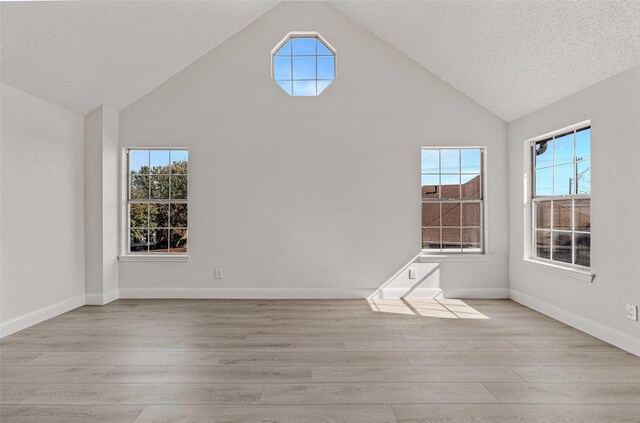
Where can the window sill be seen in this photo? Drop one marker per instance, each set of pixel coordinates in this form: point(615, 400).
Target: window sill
point(438, 258)
point(159, 257)
point(583, 275)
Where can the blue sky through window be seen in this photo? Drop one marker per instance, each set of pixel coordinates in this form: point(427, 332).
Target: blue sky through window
point(304, 66)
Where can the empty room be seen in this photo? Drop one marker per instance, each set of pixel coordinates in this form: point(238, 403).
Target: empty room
point(320, 211)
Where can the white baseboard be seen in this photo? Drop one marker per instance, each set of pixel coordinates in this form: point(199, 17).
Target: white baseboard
point(29, 319)
point(606, 333)
point(491, 293)
point(101, 299)
point(247, 293)
point(290, 293)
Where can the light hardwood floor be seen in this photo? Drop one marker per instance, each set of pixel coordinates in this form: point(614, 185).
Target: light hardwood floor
point(480, 361)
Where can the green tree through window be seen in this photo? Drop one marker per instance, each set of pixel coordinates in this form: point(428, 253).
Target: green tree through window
point(157, 201)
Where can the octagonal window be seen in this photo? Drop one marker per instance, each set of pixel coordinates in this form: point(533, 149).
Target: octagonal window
point(303, 64)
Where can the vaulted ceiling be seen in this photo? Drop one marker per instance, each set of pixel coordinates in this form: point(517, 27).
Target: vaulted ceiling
point(512, 57)
point(84, 54)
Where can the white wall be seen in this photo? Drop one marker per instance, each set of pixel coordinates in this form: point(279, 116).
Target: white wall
point(42, 242)
point(101, 164)
point(599, 307)
point(317, 195)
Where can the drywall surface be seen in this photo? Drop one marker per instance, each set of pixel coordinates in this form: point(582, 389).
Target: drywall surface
point(42, 205)
point(310, 196)
point(101, 204)
point(612, 106)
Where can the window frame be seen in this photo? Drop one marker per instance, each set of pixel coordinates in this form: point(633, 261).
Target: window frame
point(532, 224)
point(304, 34)
point(126, 253)
point(462, 254)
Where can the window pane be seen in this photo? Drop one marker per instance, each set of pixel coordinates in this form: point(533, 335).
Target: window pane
point(562, 245)
point(582, 215)
point(471, 214)
point(562, 215)
point(304, 88)
point(430, 186)
point(179, 187)
point(583, 144)
point(450, 161)
point(139, 188)
point(544, 182)
point(543, 153)
point(282, 68)
point(159, 187)
point(470, 160)
point(451, 238)
point(287, 86)
point(159, 162)
point(304, 68)
point(138, 215)
point(322, 50)
point(178, 241)
point(322, 85)
point(450, 186)
point(543, 244)
point(471, 186)
point(139, 161)
point(450, 214)
point(564, 180)
point(326, 67)
point(430, 214)
point(158, 215)
point(431, 238)
point(564, 149)
point(159, 240)
point(180, 161)
point(584, 177)
point(430, 161)
point(137, 240)
point(583, 249)
point(285, 50)
point(543, 214)
point(471, 237)
point(178, 216)
point(304, 46)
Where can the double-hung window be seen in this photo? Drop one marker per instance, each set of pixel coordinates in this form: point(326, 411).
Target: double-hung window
point(452, 200)
point(157, 207)
point(561, 215)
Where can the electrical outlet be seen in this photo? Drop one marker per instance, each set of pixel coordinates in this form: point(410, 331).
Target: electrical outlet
point(218, 273)
point(413, 273)
point(632, 312)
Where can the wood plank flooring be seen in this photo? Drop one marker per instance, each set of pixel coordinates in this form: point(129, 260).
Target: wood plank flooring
point(356, 361)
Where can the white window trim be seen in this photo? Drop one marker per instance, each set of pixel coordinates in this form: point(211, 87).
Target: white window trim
point(565, 269)
point(434, 257)
point(576, 272)
point(305, 34)
point(125, 255)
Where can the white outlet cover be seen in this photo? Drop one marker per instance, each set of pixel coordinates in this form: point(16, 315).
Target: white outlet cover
point(632, 312)
point(413, 273)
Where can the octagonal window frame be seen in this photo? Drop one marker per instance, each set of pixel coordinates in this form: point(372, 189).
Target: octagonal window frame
point(296, 35)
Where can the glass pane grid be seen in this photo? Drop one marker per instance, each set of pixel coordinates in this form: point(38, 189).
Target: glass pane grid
point(156, 221)
point(307, 68)
point(451, 210)
point(552, 240)
point(561, 218)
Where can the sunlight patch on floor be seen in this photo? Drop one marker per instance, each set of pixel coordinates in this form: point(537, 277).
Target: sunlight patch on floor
point(438, 308)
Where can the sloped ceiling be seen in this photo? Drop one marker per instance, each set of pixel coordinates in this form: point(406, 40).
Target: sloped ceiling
point(83, 54)
point(512, 57)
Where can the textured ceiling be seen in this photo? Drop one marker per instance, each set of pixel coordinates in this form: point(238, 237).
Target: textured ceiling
point(84, 54)
point(512, 57)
